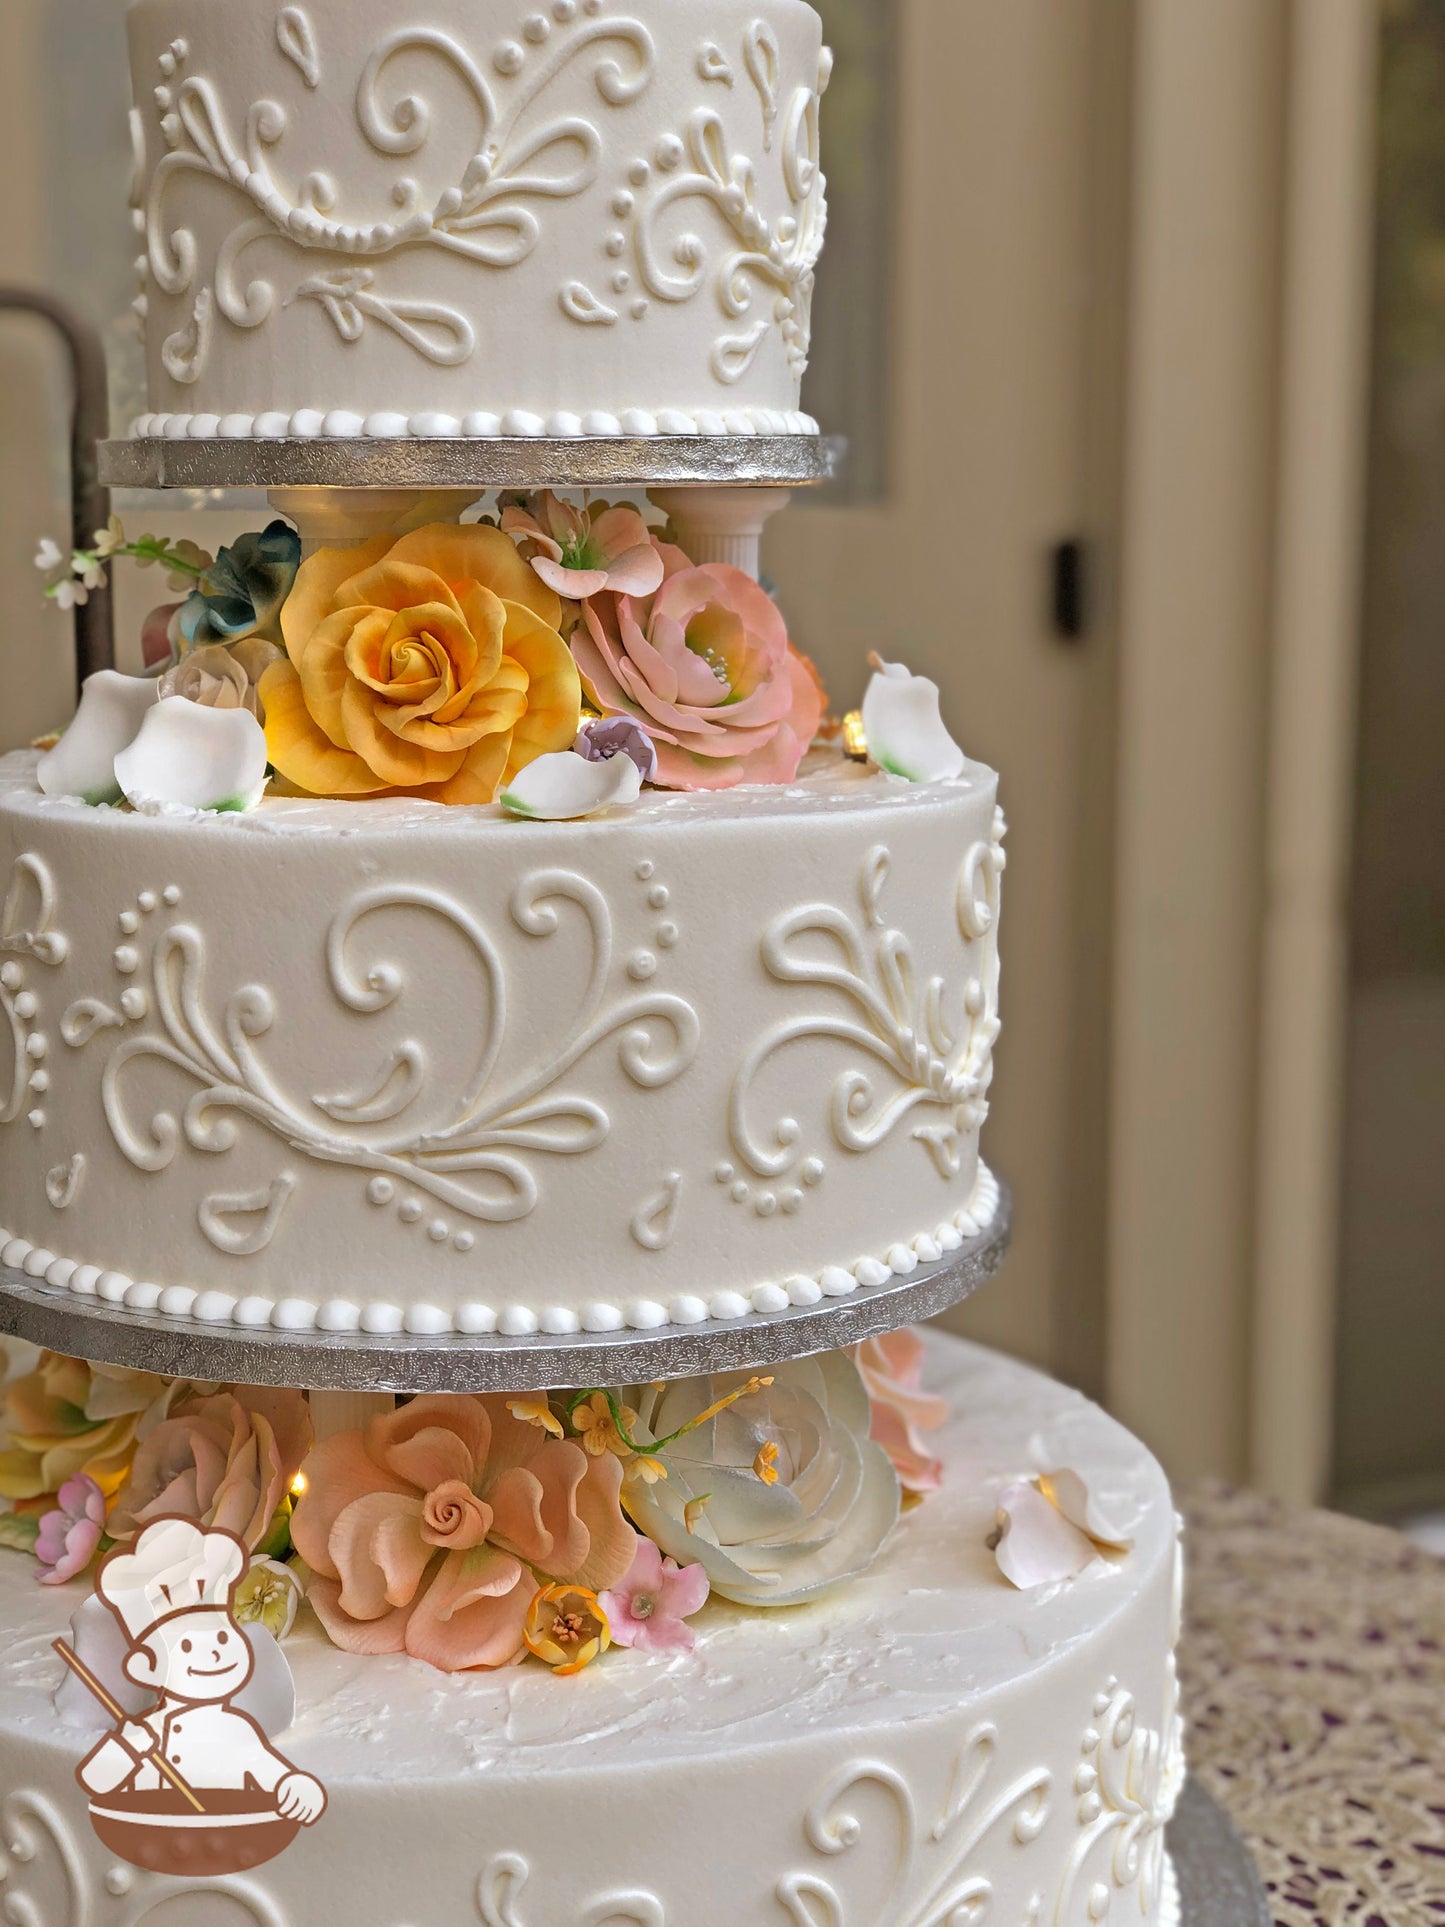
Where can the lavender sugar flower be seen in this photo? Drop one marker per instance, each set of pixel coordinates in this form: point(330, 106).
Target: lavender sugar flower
point(608, 736)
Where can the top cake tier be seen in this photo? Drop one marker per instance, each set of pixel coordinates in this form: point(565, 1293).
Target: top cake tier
point(445, 218)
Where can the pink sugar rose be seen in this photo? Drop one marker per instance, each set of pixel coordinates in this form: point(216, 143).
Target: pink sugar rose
point(581, 552)
point(892, 1371)
point(426, 1533)
point(227, 1460)
point(705, 666)
point(648, 1608)
point(69, 1535)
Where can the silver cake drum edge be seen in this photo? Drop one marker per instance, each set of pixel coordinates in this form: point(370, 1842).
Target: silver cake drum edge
point(704, 461)
point(52, 1317)
point(1219, 1884)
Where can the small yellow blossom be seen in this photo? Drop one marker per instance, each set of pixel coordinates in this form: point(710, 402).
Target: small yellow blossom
point(650, 1470)
point(567, 1628)
point(765, 1465)
point(536, 1411)
point(694, 1509)
point(598, 1428)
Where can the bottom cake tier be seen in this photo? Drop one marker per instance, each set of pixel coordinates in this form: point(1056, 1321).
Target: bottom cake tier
point(926, 1748)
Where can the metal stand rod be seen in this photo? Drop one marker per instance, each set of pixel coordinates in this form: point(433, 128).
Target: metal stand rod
point(89, 499)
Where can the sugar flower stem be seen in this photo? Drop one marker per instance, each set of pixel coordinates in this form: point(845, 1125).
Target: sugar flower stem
point(753, 1386)
point(88, 565)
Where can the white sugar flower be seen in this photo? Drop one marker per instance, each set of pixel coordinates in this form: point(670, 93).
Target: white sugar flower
point(90, 570)
point(798, 1496)
point(269, 1596)
point(110, 539)
point(98, 1640)
point(49, 556)
point(71, 594)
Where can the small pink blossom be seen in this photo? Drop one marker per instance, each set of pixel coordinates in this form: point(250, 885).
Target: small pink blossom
point(69, 1536)
point(648, 1607)
point(580, 552)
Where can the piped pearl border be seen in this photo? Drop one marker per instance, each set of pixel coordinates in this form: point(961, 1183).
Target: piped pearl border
point(517, 424)
point(338, 1316)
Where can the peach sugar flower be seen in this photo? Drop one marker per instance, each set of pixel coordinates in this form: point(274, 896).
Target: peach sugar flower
point(581, 552)
point(427, 1531)
point(227, 1460)
point(706, 667)
point(430, 666)
point(892, 1371)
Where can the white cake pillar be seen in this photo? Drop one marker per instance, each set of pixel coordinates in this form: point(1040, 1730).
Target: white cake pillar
point(333, 1412)
point(341, 518)
point(722, 524)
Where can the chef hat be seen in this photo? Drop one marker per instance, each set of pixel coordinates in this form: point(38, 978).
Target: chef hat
point(175, 1566)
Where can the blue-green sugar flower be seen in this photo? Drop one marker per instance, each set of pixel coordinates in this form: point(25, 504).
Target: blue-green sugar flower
point(243, 591)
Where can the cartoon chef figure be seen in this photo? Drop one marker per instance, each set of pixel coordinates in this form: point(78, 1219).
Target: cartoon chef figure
point(171, 1592)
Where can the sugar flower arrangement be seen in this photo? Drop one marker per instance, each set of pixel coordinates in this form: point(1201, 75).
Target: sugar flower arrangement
point(479, 1532)
point(555, 661)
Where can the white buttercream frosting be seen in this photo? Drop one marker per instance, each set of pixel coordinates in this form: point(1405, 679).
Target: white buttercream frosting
point(472, 218)
point(391, 1067)
point(921, 1699)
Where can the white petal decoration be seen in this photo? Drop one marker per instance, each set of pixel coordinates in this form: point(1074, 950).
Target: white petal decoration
point(1068, 1491)
point(1037, 1545)
point(904, 726)
point(112, 709)
point(555, 789)
point(97, 1639)
point(189, 757)
point(269, 1696)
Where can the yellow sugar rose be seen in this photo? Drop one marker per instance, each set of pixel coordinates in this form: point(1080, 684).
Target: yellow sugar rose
point(429, 667)
point(67, 1417)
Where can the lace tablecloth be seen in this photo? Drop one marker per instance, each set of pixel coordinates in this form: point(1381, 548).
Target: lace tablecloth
point(1314, 1687)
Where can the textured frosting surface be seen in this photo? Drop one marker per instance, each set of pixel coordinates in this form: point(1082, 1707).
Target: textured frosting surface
point(927, 1737)
point(477, 217)
point(393, 1066)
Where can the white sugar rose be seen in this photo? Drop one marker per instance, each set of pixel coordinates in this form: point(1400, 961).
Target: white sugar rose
point(779, 1496)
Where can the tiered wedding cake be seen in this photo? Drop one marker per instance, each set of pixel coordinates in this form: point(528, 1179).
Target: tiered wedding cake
point(474, 944)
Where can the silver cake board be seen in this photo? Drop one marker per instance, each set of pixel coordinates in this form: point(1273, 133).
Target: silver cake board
point(1219, 1885)
point(359, 1361)
point(676, 461)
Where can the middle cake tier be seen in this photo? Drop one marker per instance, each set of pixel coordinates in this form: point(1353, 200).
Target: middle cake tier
point(393, 1067)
